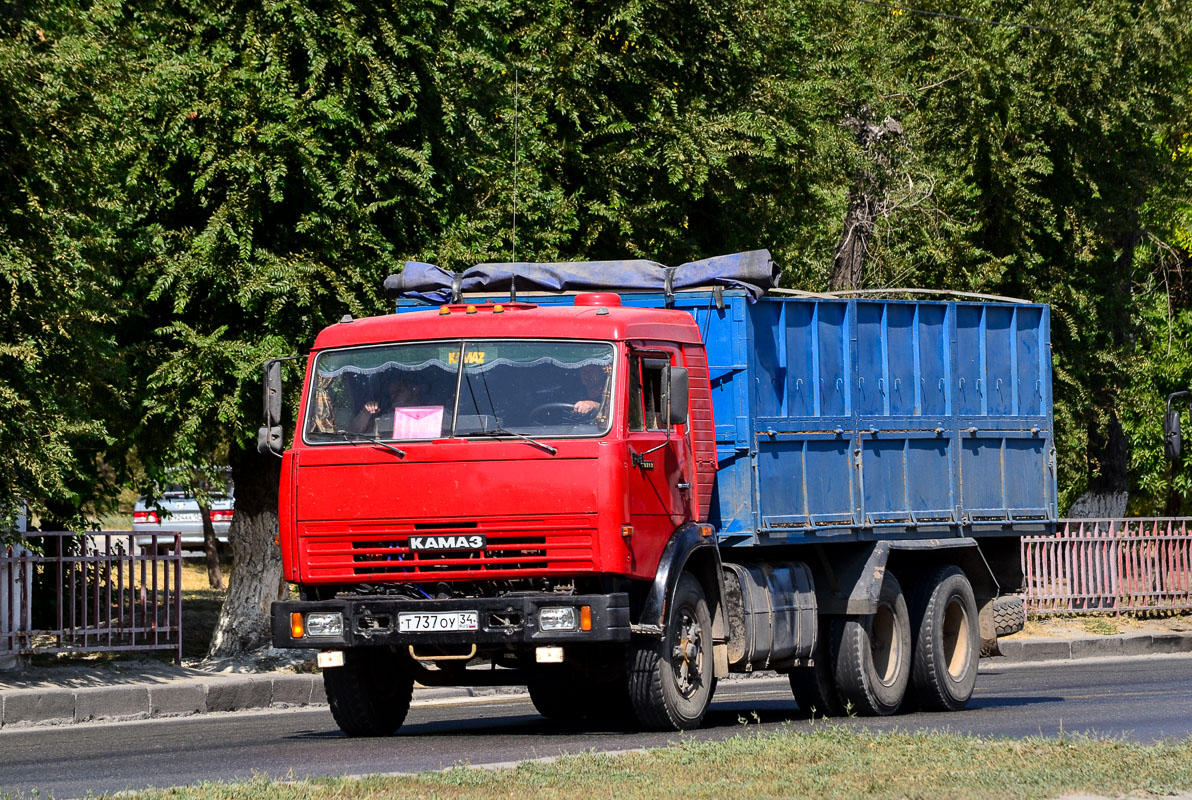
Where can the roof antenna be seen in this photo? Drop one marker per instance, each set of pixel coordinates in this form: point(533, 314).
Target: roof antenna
point(516, 92)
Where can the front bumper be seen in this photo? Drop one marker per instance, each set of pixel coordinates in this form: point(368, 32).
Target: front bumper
point(502, 621)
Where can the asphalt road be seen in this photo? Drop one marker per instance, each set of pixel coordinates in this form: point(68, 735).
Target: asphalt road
point(1140, 698)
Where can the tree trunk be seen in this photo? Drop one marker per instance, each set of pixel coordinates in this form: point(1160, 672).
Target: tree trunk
point(848, 264)
point(210, 548)
point(865, 202)
point(1109, 484)
point(256, 581)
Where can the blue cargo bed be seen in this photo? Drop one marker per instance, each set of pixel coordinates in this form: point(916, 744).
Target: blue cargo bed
point(844, 420)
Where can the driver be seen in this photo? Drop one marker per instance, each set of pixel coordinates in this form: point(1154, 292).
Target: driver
point(596, 388)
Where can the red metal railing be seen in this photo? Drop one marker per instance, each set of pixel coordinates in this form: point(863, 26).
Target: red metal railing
point(1110, 565)
point(95, 593)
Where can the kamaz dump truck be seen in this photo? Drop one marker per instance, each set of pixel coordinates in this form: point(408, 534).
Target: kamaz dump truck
point(615, 483)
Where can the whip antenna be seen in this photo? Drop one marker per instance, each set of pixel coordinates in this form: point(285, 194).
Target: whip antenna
point(516, 89)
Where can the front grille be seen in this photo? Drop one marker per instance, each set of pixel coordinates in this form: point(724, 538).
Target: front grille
point(514, 548)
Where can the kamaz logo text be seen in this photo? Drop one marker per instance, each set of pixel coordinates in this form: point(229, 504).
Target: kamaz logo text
point(473, 542)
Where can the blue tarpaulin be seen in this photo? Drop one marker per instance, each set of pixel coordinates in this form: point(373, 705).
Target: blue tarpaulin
point(753, 271)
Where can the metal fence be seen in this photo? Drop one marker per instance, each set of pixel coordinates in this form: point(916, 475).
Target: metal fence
point(1110, 565)
point(75, 593)
point(80, 593)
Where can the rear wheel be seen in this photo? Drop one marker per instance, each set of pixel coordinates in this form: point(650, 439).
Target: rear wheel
point(670, 678)
point(873, 666)
point(814, 686)
point(947, 641)
point(370, 694)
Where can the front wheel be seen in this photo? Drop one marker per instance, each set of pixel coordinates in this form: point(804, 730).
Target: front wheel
point(370, 694)
point(556, 699)
point(670, 678)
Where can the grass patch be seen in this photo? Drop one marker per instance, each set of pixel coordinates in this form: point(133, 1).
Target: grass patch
point(1101, 626)
point(200, 606)
point(830, 762)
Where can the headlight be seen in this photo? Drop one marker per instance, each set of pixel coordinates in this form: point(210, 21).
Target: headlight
point(557, 619)
point(325, 623)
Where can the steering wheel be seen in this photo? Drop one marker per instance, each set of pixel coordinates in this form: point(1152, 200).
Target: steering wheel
point(548, 413)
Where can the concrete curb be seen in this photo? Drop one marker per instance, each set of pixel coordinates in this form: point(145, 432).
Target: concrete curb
point(1124, 644)
point(174, 697)
point(60, 705)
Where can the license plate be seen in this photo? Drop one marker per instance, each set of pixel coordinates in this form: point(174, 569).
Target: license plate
point(184, 517)
point(430, 621)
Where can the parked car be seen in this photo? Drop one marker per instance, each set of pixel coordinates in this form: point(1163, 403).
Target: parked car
point(176, 510)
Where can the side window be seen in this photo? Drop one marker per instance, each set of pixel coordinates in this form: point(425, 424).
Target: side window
point(636, 417)
point(646, 411)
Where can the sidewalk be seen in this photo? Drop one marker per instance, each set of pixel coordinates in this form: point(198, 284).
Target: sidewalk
point(123, 690)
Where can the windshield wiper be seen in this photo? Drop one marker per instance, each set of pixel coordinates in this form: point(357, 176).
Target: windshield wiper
point(360, 438)
point(522, 436)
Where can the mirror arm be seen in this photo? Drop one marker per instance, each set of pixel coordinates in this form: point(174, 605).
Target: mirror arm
point(1177, 396)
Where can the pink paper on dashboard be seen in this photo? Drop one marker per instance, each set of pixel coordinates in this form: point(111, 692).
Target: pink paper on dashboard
point(417, 422)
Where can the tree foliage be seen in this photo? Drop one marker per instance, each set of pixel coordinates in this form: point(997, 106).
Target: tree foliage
point(193, 187)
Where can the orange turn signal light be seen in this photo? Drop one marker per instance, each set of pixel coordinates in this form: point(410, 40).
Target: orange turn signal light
point(297, 626)
point(585, 618)
point(626, 531)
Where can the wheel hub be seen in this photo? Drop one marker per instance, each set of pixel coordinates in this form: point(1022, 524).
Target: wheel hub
point(687, 655)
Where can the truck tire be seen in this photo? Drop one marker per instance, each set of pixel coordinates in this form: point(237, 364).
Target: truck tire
point(370, 694)
point(566, 695)
point(1009, 615)
point(873, 664)
point(814, 687)
point(947, 641)
point(556, 698)
point(670, 677)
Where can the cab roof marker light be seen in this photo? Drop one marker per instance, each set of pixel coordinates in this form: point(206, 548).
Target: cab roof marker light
point(444, 311)
point(470, 310)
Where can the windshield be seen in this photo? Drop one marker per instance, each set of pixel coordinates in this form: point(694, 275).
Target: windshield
point(403, 392)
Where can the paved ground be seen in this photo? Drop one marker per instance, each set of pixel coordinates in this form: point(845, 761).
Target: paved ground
point(100, 691)
point(1127, 699)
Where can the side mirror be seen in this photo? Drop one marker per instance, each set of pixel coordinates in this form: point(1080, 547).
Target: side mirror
point(270, 436)
point(1172, 444)
point(272, 393)
point(269, 440)
point(677, 395)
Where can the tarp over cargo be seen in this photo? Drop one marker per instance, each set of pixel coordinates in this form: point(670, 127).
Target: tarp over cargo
point(753, 271)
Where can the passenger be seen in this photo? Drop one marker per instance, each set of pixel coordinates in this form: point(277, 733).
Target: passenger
point(401, 394)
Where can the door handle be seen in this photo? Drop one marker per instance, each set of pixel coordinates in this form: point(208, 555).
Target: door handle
point(684, 486)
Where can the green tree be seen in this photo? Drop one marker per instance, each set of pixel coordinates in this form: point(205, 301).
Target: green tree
point(64, 388)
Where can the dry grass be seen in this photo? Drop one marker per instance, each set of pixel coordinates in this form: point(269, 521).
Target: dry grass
point(1107, 624)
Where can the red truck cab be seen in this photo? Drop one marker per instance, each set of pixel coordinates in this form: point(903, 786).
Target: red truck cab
point(495, 480)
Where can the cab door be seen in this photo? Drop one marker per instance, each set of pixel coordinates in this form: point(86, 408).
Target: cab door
point(660, 476)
